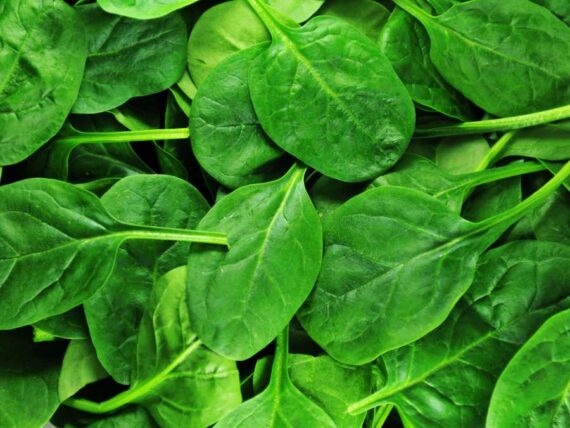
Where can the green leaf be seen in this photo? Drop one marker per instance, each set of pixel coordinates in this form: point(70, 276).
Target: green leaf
point(69, 325)
point(146, 46)
point(491, 199)
point(80, 368)
point(560, 8)
point(367, 15)
point(227, 138)
point(470, 50)
point(331, 385)
point(551, 221)
point(460, 155)
point(411, 250)
point(548, 142)
point(28, 381)
point(143, 9)
point(419, 173)
point(325, 94)
point(533, 390)
point(133, 418)
point(296, 10)
point(281, 404)
point(447, 377)
point(406, 44)
point(221, 31)
point(42, 44)
point(115, 311)
point(241, 299)
point(58, 245)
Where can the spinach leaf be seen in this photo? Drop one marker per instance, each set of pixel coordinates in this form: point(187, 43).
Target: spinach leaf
point(145, 45)
point(221, 31)
point(296, 10)
point(517, 287)
point(137, 417)
point(367, 15)
point(58, 245)
point(28, 381)
point(461, 155)
point(406, 44)
point(80, 367)
point(227, 138)
point(331, 385)
point(533, 389)
point(491, 199)
point(325, 94)
point(143, 9)
point(281, 403)
point(42, 44)
point(560, 8)
point(548, 142)
point(471, 51)
point(423, 243)
point(69, 325)
point(115, 310)
point(551, 221)
point(419, 173)
point(240, 299)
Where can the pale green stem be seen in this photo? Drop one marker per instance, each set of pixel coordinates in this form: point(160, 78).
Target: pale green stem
point(135, 392)
point(279, 370)
point(495, 152)
point(124, 136)
point(168, 234)
point(495, 125)
point(382, 415)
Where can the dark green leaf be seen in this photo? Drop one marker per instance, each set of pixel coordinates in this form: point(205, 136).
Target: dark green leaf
point(533, 389)
point(446, 378)
point(69, 325)
point(470, 49)
point(368, 16)
point(42, 45)
point(115, 311)
point(146, 46)
point(325, 94)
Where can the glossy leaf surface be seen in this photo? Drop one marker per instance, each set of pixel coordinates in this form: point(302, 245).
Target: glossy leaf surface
point(241, 298)
point(42, 43)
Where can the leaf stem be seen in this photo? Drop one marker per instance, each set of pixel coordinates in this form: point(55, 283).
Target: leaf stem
point(495, 125)
point(169, 234)
point(135, 392)
point(124, 136)
point(495, 152)
point(280, 370)
point(382, 415)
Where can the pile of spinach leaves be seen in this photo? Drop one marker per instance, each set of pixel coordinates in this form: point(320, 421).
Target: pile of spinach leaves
point(285, 213)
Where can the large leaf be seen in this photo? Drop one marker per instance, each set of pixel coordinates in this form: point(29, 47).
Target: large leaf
point(143, 9)
point(28, 381)
point(58, 245)
point(242, 298)
point(42, 45)
point(446, 378)
point(227, 138)
point(392, 254)
point(221, 31)
point(471, 51)
point(406, 44)
point(533, 390)
point(146, 46)
point(281, 404)
point(325, 94)
point(115, 311)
